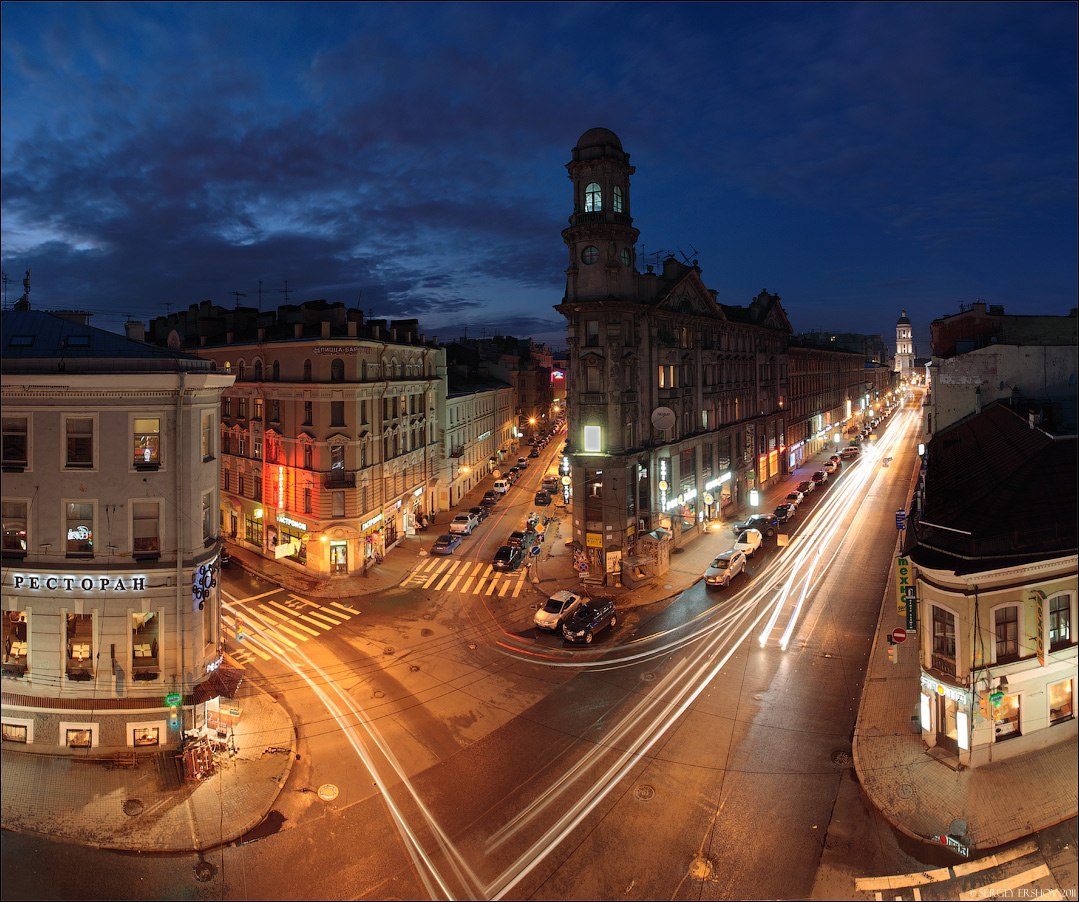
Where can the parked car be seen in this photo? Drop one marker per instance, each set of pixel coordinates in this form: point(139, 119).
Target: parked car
point(224, 558)
point(748, 542)
point(490, 499)
point(725, 567)
point(830, 466)
point(480, 513)
point(542, 498)
point(766, 523)
point(523, 539)
point(795, 498)
point(836, 459)
point(502, 486)
point(512, 474)
point(806, 487)
point(463, 524)
point(589, 618)
point(550, 484)
point(534, 452)
point(508, 558)
point(522, 463)
point(849, 453)
point(445, 544)
point(559, 607)
point(784, 513)
point(820, 477)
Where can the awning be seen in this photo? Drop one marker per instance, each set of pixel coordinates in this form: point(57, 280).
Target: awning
point(224, 681)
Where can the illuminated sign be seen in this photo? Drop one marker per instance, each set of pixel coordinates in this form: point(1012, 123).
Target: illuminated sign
point(288, 521)
point(959, 696)
point(79, 534)
point(557, 374)
point(903, 575)
point(210, 668)
point(592, 440)
point(83, 583)
point(367, 524)
point(593, 540)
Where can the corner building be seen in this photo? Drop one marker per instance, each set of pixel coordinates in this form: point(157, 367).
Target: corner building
point(111, 626)
point(675, 401)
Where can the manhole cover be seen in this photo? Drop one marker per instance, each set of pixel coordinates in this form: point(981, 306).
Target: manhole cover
point(327, 792)
point(841, 758)
point(414, 668)
point(204, 871)
point(472, 646)
point(905, 791)
point(648, 676)
point(378, 693)
point(700, 869)
point(133, 807)
point(644, 792)
point(387, 651)
point(668, 586)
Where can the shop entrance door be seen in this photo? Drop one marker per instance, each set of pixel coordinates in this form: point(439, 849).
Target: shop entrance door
point(338, 558)
point(947, 731)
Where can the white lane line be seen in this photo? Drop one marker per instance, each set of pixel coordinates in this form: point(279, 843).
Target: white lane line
point(343, 607)
point(937, 875)
point(319, 619)
point(306, 629)
point(1004, 887)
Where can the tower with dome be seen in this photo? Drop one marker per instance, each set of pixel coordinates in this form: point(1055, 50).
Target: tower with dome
point(904, 348)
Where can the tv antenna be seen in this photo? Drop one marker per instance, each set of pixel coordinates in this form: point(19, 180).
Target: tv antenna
point(237, 295)
point(692, 259)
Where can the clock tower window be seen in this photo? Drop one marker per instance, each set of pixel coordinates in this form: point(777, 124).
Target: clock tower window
point(593, 198)
point(616, 199)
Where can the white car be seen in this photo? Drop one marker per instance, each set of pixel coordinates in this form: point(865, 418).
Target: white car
point(748, 542)
point(795, 498)
point(829, 466)
point(463, 524)
point(725, 567)
point(558, 609)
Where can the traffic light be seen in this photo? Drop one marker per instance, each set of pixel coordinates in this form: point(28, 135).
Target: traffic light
point(891, 654)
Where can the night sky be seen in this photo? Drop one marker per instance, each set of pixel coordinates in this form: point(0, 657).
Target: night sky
point(408, 158)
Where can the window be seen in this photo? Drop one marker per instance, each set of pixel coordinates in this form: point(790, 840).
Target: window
point(144, 736)
point(15, 643)
point(308, 456)
point(145, 663)
point(1060, 701)
point(337, 370)
point(307, 371)
point(207, 517)
point(14, 515)
point(337, 413)
point(337, 457)
point(79, 520)
point(258, 370)
point(592, 439)
point(593, 198)
point(147, 442)
point(624, 257)
point(276, 371)
point(590, 255)
point(1006, 624)
point(79, 644)
point(241, 408)
point(145, 528)
point(208, 427)
point(256, 448)
point(616, 198)
point(259, 406)
point(275, 410)
point(307, 498)
point(591, 333)
point(944, 640)
point(79, 738)
point(308, 413)
point(241, 369)
point(338, 504)
point(593, 381)
point(80, 442)
point(1060, 621)
point(15, 443)
point(226, 407)
point(252, 530)
point(14, 732)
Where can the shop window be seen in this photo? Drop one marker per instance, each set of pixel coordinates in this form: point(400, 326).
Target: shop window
point(79, 448)
point(79, 522)
point(253, 531)
point(1060, 701)
point(145, 529)
point(145, 664)
point(14, 732)
point(79, 738)
point(142, 737)
point(79, 642)
point(14, 515)
point(1006, 719)
point(1060, 621)
point(15, 444)
point(1006, 626)
point(15, 643)
point(147, 443)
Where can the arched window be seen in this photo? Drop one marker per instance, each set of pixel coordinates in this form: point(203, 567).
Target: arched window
point(593, 198)
point(590, 254)
point(276, 371)
point(624, 257)
point(337, 370)
point(240, 369)
point(307, 371)
point(258, 370)
point(616, 198)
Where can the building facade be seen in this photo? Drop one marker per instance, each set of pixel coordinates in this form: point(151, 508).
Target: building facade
point(329, 436)
point(111, 614)
point(675, 402)
point(904, 348)
point(477, 436)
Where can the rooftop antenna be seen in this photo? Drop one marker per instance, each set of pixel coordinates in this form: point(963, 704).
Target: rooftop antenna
point(690, 260)
point(23, 303)
point(238, 295)
point(284, 291)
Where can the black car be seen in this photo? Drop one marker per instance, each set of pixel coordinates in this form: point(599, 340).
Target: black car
point(589, 619)
point(490, 499)
point(765, 523)
point(508, 558)
point(522, 540)
point(480, 513)
point(784, 513)
point(533, 453)
point(542, 498)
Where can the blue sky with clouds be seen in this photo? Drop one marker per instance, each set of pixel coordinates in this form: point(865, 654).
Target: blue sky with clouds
point(854, 158)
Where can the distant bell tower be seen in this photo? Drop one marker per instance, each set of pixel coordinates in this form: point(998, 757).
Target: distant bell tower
point(904, 348)
point(601, 237)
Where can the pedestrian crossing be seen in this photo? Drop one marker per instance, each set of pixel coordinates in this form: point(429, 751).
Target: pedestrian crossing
point(264, 627)
point(466, 577)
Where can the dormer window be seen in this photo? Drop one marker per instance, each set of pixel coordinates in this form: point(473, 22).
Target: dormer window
point(593, 198)
point(616, 199)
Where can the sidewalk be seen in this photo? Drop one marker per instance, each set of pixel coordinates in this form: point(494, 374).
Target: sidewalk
point(148, 808)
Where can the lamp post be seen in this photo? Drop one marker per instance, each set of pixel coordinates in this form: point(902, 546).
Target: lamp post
point(532, 423)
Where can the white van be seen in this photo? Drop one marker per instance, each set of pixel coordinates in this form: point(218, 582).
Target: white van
point(501, 486)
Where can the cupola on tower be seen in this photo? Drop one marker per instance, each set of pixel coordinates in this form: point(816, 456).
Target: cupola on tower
point(600, 237)
point(904, 347)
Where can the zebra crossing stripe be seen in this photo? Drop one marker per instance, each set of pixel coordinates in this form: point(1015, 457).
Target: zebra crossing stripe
point(457, 579)
point(519, 586)
point(490, 588)
point(505, 588)
point(306, 629)
point(343, 607)
point(323, 620)
point(273, 627)
point(447, 575)
point(1004, 887)
point(466, 584)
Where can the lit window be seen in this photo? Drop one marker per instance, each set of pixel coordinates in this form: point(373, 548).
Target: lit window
point(14, 528)
point(208, 436)
point(1060, 701)
point(1060, 621)
point(593, 198)
point(147, 441)
point(80, 528)
point(592, 439)
point(616, 198)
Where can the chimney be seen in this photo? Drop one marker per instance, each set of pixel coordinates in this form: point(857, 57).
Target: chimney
point(262, 333)
point(352, 328)
point(325, 328)
point(297, 330)
point(135, 330)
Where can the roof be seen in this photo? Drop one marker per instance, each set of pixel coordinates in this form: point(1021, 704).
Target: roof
point(997, 487)
point(36, 341)
point(902, 321)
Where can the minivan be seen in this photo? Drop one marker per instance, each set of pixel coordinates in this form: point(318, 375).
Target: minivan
point(501, 486)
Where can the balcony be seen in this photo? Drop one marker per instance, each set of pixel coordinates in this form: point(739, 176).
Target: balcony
point(339, 479)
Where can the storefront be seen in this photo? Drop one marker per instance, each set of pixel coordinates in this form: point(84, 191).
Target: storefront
point(292, 538)
point(945, 715)
point(372, 547)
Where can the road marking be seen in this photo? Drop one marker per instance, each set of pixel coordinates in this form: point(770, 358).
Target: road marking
point(490, 588)
point(448, 574)
point(272, 626)
point(306, 629)
point(900, 881)
point(467, 583)
point(520, 585)
point(1002, 887)
point(256, 597)
point(343, 607)
point(319, 619)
